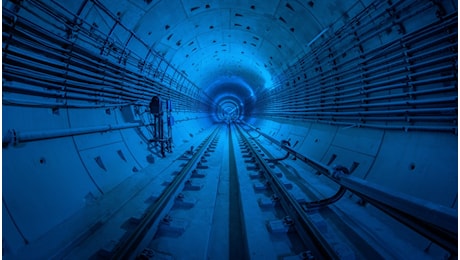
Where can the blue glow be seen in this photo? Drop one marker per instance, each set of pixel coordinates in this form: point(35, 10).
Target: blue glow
point(223, 102)
point(234, 81)
point(84, 163)
point(268, 84)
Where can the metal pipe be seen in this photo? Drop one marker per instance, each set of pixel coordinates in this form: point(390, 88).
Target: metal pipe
point(437, 222)
point(434, 221)
point(416, 111)
point(53, 37)
point(452, 129)
point(46, 104)
point(343, 82)
point(307, 231)
point(362, 104)
point(104, 9)
point(370, 30)
point(317, 37)
point(27, 76)
point(382, 51)
point(311, 96)
point(14, 137)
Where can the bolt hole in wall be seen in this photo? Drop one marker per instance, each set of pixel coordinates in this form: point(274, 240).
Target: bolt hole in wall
point(42, 160)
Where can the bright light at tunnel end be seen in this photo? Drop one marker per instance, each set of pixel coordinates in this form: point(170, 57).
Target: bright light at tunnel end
point(228, 107)
point(268, 84)
point(230, 93)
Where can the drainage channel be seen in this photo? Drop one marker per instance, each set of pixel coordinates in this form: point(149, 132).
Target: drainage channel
point(224, 202)
point(230, 199)
point(207, 222)
point(238, 249)
point(187, 231)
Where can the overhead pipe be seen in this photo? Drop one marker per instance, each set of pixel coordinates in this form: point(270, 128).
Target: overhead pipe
point(421, 34)
point(363, 102)
point(334, 84)
point(371, 33)
point(359, 91)
point(353, 124)
point(365, 20)
point(329, 90)
point(382, 49)
point(49, 84)
point(363, 24)
point(56, 104)
point(317, 36)
point(413, 118)
point(364, 67)
point(42, 31)
point(437, 110)
point(288, 96)
point(103, 8)
point(393, 119)
point(343, 82)
point(69, 87)
point(414, 37)
point(358, 121)
point(59, 92)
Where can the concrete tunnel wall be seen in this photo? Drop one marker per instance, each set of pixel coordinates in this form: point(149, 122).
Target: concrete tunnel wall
point(48, 181)
point(56, 178)
point(374, 150)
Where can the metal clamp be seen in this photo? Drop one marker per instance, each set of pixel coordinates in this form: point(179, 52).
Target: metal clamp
point(11, 137)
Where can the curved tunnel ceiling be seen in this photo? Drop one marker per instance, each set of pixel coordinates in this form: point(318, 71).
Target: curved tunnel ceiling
point(249, 41)
point(372, 95)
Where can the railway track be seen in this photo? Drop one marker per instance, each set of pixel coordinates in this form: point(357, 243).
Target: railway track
point(291, 217)
point(235, 196)
point(155, 217)
point(236, 204)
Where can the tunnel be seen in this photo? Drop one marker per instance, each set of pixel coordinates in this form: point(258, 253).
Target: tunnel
point(205, 129)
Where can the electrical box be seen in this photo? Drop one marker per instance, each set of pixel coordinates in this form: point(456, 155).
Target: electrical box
point(162, 123)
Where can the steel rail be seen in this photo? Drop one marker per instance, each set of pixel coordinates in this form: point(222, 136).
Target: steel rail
point(436, 222)
point(146, 229)
point(308, 232)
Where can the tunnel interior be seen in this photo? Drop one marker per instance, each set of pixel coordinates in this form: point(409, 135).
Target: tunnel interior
point(101, 100)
